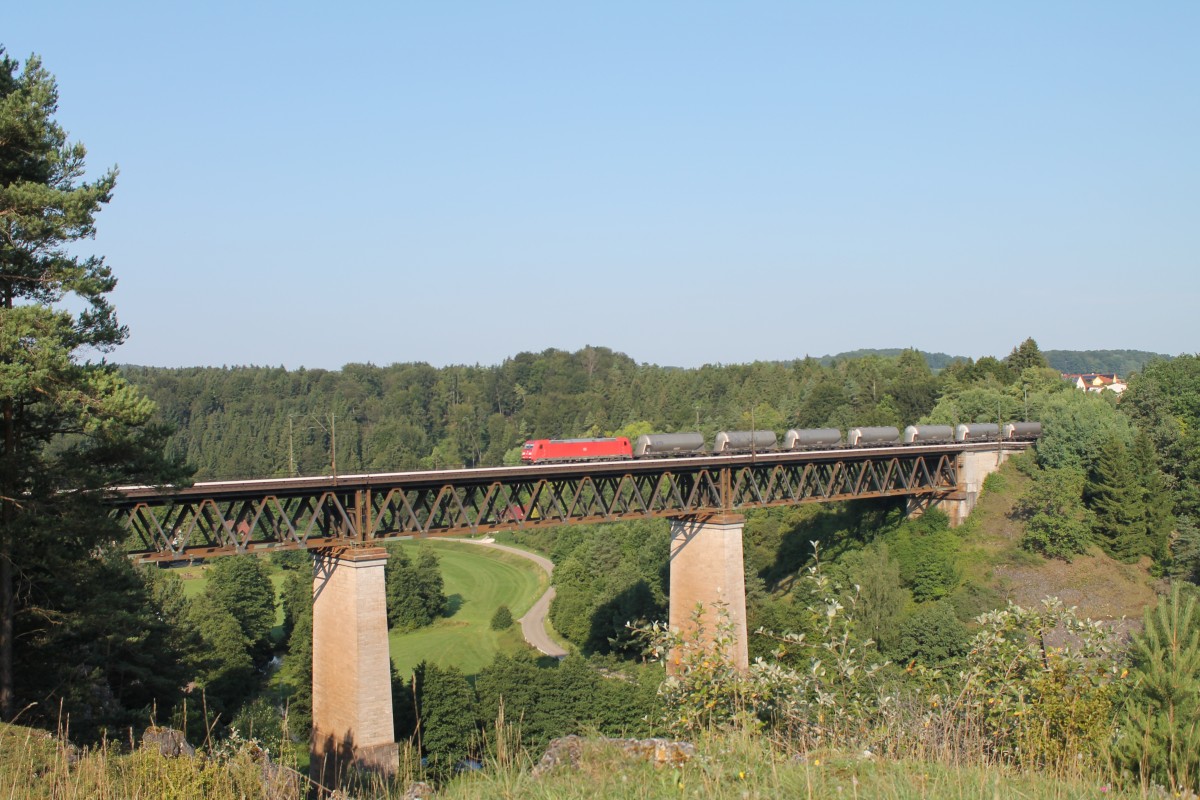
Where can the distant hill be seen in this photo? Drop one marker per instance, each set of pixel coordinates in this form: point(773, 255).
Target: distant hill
point(1121, 362)
point(936, 361)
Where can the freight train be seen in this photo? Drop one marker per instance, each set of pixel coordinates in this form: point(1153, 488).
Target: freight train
point(671, 445)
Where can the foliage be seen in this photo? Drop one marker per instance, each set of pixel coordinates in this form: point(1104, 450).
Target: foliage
point(882, 598)
point(1121, 362)
point(107, 654)
point(415, 592)
point(605, 577)
point(932, 635)
point(926, 551)
point(1185, 551)
point(1161, 717)
point(830, 701)
point(571, 697)
point(258, 421)
point(447, 716)
point(226, 672)
point(1056, 522)
point(242, 587)
point(296, 597)
point(261, 720)
point(502, 620)
point(1075, 426)
point(68, 427)
point(1164, 401)
point(1024, 356)
point(1038, 683)
point(1117, 500)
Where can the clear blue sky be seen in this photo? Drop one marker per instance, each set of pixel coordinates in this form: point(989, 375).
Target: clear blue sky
point(686, 182)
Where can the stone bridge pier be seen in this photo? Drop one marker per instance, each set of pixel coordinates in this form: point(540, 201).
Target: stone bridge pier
point(708, 575)
point(352, 677)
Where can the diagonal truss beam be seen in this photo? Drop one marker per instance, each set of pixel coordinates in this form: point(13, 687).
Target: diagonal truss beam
point(171, 526)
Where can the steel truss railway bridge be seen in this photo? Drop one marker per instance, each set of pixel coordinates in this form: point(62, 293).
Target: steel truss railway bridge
point(344, 518)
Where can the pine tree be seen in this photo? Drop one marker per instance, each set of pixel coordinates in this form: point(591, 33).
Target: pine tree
point(448, 711)
point(1157, 498)
point(1185, 550)
point(1117, 500)
point(68, 427)
point(1025, 355)
point(1162, 716)
point(502, 620)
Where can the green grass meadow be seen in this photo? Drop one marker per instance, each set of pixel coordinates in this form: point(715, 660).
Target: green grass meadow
point(478, 580)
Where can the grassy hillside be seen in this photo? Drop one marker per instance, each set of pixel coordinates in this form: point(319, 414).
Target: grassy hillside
point(992, 559)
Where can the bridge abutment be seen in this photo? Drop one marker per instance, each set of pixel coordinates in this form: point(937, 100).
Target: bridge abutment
point(352, 680)
point(707, 573)
point(973, 468)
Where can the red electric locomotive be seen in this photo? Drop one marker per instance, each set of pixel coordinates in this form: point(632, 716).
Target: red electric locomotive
point(538, 450)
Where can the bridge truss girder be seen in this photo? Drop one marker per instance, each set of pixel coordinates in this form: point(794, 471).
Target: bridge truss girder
point(188, 525)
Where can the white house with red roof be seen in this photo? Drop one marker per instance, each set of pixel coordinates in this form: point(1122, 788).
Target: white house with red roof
point(1096, 382)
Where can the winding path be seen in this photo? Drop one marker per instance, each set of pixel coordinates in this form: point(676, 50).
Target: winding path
point(533, 624)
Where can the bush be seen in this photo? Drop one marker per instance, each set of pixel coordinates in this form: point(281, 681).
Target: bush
point(931, 635)
point(1040, 706)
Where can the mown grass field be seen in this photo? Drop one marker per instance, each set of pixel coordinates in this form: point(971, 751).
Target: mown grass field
point(478, 580)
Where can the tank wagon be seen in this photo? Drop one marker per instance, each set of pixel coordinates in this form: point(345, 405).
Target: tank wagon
point(675, 445)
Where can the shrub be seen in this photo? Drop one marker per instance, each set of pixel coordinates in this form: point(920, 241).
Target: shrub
point(1040, 705)
point(932, 635)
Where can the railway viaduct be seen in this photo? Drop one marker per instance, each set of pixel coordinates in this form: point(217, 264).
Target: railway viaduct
point(343, 519)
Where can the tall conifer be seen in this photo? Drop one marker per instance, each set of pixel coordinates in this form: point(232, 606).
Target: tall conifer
point(68, 426)
point(1117, 500)
point(1162, 725)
